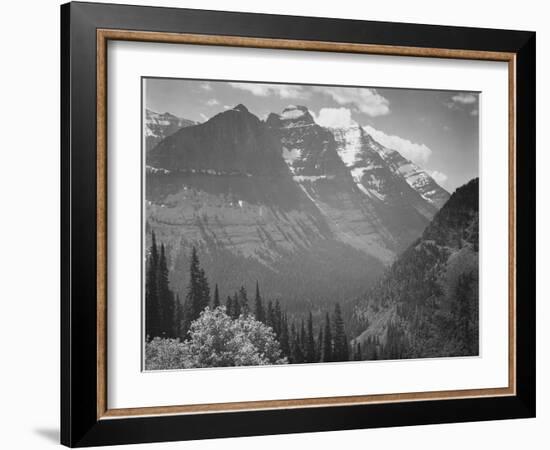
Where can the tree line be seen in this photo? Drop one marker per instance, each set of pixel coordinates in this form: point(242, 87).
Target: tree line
point(300, 342)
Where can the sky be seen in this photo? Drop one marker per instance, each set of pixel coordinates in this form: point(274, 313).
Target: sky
point(438, 130)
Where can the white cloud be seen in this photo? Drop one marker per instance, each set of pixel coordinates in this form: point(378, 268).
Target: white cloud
point(264, 90)
point(439, 177)
point(204, 117)
point(334, 118)
point(206, 86)
point(474, 112)
point(365, 100)
point(226, 107)
point(212, 102)
point(464, 98)
point(418, 153)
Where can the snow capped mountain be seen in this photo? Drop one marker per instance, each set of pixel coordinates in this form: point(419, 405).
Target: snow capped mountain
point(273, 198)
point(355, 181)
point(417, 178)
point(384, 174)
point(159, 126)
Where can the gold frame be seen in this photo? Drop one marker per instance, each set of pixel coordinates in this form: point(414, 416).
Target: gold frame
point(103, 36)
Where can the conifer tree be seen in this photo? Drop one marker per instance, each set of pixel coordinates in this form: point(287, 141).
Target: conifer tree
point(236, 306)
point(259, 313)
point(277, 317)
point(198, 293)
point(270, 315)
point(340, 350)
point(327, 341)
point(319, 346)
point(165, 298)
point(229, 306)
point(310, 341)
point(216, 300)
point(178, 310)
point(243, 301)
point(204, 290)
point(151, 291)
point(296, 355)
point(284, 340)
point(302, 341)
point(358, 354)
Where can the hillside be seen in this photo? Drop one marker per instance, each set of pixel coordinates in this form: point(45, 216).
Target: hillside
point(427, 303)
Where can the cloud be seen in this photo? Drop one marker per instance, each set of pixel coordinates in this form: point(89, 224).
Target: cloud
point(335, 118)
point(418, 153)
point(204, 117)
point(212, 102)
point(365, 100)
point(264, 90)
point(474, 112)
point(226, 107)
point(439, 177)
point(205, 86)
point(464, 98)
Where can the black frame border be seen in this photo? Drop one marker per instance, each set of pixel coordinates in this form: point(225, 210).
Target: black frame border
point(79, 424)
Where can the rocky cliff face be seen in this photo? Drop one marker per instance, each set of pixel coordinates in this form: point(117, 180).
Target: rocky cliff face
point(313, 214)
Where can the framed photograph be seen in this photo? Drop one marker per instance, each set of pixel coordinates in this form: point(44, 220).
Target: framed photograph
point(276, 224)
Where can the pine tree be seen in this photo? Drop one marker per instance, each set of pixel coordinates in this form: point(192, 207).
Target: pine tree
point(259, 313)
point(277, 318)
point(296, 355)
point(236, 306)
point(341, 352)
point(178, 311)
point(285, 340)
point(358, 353)
point(198, 293)
point(327, 341)
point(319, 346)
point(310, 341)
point(270, 316)
point(216, 301)
point(151, 291)
point(302, 341)
point(229, 306)
point(243, 301)
point(204, 290)
point(165, 298)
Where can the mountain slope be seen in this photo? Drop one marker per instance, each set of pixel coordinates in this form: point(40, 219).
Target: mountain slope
point(159, 126)
point(427, 304)
point(276, 202)
point(366, 210)
point(224, 187)
point(385, 174)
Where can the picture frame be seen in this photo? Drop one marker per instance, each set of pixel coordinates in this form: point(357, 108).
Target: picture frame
point(86, 30)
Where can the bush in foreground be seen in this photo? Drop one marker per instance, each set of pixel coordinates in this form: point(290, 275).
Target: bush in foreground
point(216, 340)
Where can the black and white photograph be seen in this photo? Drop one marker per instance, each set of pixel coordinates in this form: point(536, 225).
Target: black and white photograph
point(292, 224)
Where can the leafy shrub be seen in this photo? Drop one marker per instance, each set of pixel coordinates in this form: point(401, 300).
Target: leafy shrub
point(216, 340)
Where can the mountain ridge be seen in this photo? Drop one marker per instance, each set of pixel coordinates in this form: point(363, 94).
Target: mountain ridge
point(269, 198)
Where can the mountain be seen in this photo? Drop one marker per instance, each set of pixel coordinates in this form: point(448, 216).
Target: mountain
point(427, 303)
point(224, 187)
point(159, 126)
point(367, 202)
point(278, 202)
point(385, 174)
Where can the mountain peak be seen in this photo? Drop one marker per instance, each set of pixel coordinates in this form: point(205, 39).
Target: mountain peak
point(292, 116)
point(294, 112)
point(240, 107)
